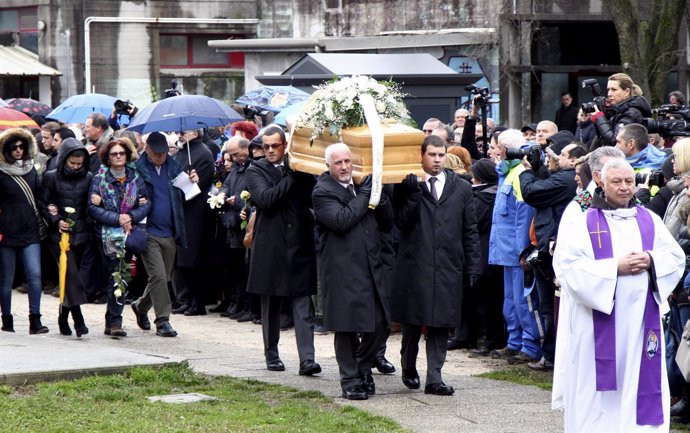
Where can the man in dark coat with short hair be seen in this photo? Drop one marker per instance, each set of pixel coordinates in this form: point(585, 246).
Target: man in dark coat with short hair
point(283, 260)
point(438, 244)
point(352, 272)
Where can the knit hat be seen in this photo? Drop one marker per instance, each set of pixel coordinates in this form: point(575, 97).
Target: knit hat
point(559, 140)
point(485, 171)
point(157, 142)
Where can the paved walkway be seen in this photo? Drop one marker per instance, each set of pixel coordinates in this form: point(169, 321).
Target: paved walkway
point(219, 346)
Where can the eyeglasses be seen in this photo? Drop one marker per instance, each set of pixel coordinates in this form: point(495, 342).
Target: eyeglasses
point(16, 146)
point(271, 146)
point(118, 154)
point(427, 131)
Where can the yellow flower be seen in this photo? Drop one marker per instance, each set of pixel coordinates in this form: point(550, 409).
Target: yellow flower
point(244, 195)
point(117, 293)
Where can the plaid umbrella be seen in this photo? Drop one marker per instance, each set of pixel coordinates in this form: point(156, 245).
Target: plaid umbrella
point(28, 106)
point(10, 118)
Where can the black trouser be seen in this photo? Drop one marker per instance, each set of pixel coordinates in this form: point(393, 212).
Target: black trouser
point(489, 307)
point(546, 290)
point(303, 312)
point(436, 349)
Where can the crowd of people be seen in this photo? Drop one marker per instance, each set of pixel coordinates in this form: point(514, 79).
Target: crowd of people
point(558, 245)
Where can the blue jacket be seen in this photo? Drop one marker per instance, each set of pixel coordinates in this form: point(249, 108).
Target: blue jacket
point(144, 168)
point(511, 220)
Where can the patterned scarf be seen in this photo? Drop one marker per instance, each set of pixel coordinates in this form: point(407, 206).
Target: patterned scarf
point(114, 237)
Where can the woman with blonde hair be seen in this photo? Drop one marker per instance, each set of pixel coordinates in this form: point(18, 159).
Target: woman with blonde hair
point(625, 105)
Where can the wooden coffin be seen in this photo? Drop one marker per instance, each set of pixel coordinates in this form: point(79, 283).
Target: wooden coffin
point(401, 151)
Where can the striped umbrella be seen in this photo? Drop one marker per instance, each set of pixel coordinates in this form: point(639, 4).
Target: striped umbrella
point(10, 118)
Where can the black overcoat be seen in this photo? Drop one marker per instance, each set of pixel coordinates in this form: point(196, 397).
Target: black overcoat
point(196, 211)
point(438, 243)
point(283, 259)
point(352, 270)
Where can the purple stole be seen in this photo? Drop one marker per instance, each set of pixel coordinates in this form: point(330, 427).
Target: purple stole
point(649, 401)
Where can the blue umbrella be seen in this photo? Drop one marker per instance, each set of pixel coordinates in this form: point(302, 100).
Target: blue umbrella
point(274, 98)
point(76, 109)
point(183, 113)
point(281, 118)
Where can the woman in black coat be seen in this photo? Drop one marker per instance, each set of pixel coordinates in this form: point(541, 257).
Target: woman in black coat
point(627, 105)
point(197, 217)
point(67, 188)
point(20, 224)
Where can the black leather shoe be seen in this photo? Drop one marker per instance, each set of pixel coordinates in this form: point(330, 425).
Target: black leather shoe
point(368, 385)
point(480, 351)
point(247, 316)
point(275, 365)
point(355, 392)
point(411, 380)
point(679, 408)
point(383, 366)
point(309, 368)
point(195, 311)
point(438, 388)
point(142, 318)
point(181, 309)
point(165, 330)
point(233, 309)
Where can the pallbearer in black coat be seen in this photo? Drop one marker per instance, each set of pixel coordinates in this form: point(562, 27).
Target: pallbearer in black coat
point(438, 243)
point(352, 274)
point(283, 261)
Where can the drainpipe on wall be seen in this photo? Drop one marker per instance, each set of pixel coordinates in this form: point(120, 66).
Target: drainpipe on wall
point(143, 20)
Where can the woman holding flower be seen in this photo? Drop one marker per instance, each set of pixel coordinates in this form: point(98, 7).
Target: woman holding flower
point(116, 205)
point(63, 202)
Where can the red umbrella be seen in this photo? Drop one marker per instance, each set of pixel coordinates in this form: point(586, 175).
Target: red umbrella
point(10, 118)
point(28, 106)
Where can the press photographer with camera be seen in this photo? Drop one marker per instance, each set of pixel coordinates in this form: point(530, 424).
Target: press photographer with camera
point(122, 108)
point(646, 160)
point(549, 197)
point(624, 105)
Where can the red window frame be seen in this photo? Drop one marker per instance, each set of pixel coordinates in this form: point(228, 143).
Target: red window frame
point(235, 59)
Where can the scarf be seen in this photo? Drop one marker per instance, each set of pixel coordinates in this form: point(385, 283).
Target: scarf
point(114, 237)
point(17, 168)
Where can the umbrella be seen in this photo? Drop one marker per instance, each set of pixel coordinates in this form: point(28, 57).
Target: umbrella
point(62, 268)
point(76, 109)
point(274, 98)
point(281, 118)
point(3, 103)
point(29, 106)
point(183, 113)
point(10, 118)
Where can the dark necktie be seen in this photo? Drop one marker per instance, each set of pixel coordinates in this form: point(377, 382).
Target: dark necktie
point(351, 188)
point(432, 187)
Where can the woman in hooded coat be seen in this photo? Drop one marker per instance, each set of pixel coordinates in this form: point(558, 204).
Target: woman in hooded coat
point(20, 224)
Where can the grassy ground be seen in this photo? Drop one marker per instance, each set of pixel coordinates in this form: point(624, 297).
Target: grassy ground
point(119, 403)
point(523, 376)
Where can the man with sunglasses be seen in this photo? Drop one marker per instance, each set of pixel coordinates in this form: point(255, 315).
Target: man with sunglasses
point(283, 260)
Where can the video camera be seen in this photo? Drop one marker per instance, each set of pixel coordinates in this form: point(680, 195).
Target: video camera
point(483, 93)
point(125, 107)
point(251, 112)
point(533, 154)
point(656, 178)
point(172, 91)
point(669, 120)
point(599, 102)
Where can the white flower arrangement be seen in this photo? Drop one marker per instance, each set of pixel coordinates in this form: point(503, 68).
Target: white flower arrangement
point(335, 105)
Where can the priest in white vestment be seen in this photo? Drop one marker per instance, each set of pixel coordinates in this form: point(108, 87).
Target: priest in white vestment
point(618, 287)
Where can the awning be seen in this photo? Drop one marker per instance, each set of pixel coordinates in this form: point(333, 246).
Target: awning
point(20, 61)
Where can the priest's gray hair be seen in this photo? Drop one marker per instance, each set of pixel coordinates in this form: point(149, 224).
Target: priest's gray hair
point(511, 138)
point(614, 163)
point(335, 147)
point(599, 156)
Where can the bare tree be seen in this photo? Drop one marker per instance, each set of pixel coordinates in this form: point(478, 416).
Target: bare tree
point(648, 47)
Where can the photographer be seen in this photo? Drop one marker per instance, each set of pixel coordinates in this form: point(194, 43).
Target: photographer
point(626, 105)
point(469, 140)
point(634, 142)
point(121, 108)
point(549, 197)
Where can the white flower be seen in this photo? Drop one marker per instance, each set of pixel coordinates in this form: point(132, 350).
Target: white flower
point(216, 201)
point(70, 210)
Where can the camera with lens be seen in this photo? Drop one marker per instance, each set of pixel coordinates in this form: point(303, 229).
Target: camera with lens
point(533, 154)
point(250, 113)
point(669, 120)
point(125, 107)
point(656, 178)
point(599, 101)
point(483, 93)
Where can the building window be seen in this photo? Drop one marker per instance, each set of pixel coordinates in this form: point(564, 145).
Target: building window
point(192, 51)
point(24, 23)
